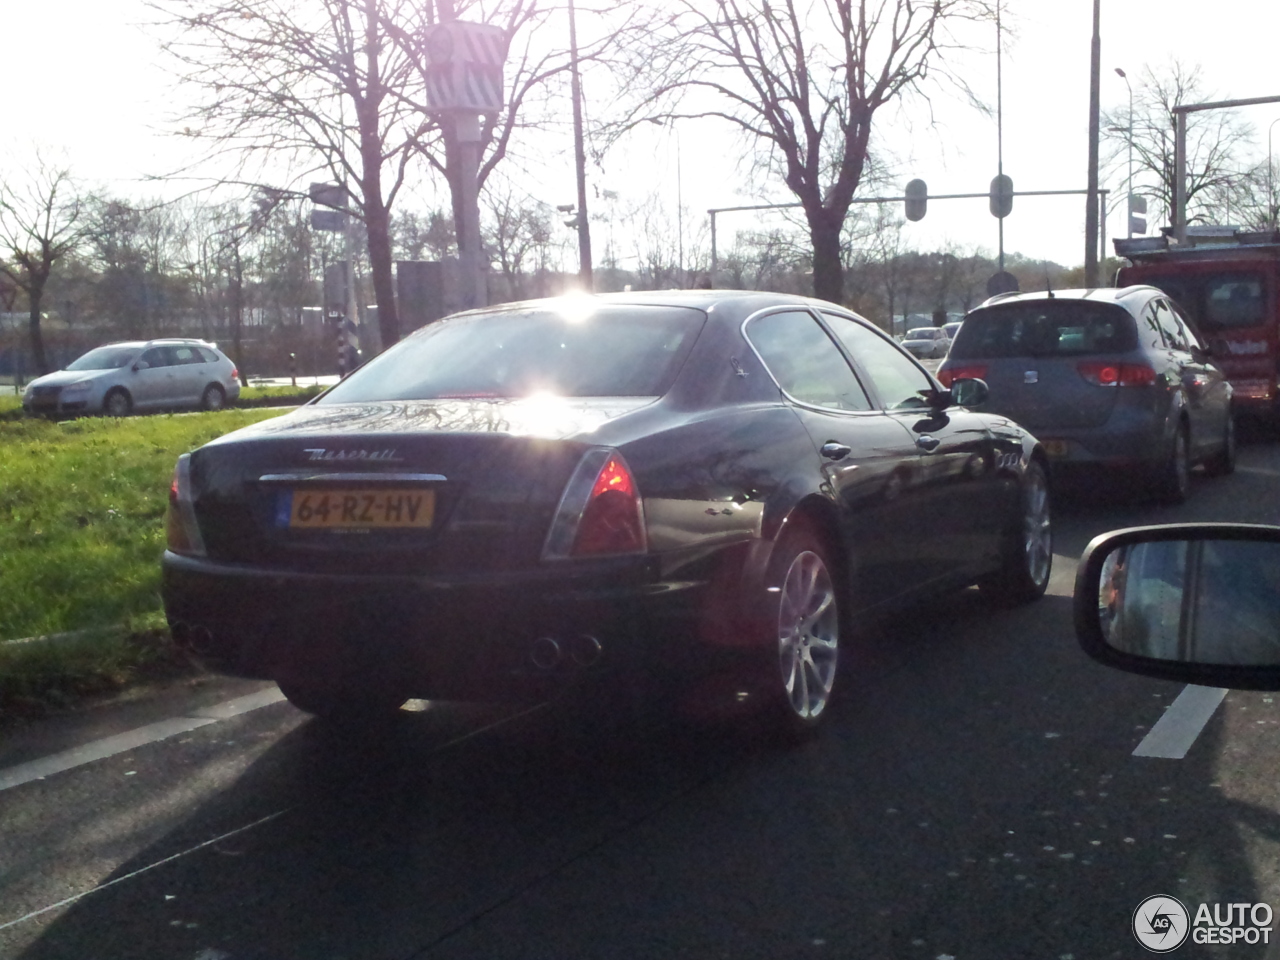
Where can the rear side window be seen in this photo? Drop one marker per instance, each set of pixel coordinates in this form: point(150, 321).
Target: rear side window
point(1234, 302)
point(182, 355)
point(582, 349)
point(207, 355)
point(805, 362)
point(1045, 328)
point(1218, 301)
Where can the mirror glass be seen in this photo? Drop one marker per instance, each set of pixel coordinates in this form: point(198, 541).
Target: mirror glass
point(1193, 601)
point(969, 393)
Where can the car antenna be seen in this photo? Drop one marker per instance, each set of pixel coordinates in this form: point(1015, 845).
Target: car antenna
point(1048, 286)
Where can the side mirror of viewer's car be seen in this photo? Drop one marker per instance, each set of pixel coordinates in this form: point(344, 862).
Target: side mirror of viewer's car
point(1196, 602)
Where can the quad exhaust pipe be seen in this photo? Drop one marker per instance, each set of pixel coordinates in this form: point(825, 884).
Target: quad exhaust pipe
point(547, 653)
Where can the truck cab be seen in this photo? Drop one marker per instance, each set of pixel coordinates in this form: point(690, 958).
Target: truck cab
point(1226, 280)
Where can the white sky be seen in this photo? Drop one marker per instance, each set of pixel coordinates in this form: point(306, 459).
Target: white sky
point(89, 81)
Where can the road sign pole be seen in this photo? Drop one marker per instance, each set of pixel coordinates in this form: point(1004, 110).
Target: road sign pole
point(466, 128)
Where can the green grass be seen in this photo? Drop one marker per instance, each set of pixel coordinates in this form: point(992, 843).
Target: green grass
point(255, 396)
point(81, 515)
point(82, 507)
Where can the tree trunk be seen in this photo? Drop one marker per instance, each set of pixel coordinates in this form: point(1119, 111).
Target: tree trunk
point(378, 223)
point(35, 294)
point(828, 270)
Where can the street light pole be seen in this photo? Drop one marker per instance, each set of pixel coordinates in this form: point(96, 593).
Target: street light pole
point(1091, 203)
point(580, 158)
point(1128, 209)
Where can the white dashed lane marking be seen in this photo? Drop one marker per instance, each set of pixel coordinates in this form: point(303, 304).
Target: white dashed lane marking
point(132, 739)
point(1176, 731)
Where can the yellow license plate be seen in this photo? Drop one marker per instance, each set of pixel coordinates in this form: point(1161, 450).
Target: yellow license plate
point(1056, 448)
point(361, 509)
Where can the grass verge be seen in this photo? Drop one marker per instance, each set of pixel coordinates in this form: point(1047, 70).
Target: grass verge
point(81, 532)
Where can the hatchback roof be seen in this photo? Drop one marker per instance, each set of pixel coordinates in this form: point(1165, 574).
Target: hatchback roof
point(1096, 294)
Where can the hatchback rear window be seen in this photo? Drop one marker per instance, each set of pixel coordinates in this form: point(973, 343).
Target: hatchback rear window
point(922, 333)
point(1045, 328)
point(581, 350)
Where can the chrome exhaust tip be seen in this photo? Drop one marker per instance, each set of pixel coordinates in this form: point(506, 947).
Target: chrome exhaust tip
point(544, 653)
point(585, 650)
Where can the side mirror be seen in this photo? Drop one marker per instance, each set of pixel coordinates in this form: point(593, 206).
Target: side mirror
point(140, 365)
point(1195, 602)
point(969, 392)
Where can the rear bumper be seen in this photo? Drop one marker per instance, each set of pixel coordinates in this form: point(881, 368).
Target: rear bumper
point(464, 637)
point(1130, 437)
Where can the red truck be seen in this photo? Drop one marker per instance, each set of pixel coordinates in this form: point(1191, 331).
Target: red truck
point(1227, 280)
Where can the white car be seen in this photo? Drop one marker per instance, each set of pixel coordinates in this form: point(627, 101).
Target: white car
point(119, 378)
point(927, 343)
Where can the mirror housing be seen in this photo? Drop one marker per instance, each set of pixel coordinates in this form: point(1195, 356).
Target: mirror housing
point(1179, 602)
point(140, 365)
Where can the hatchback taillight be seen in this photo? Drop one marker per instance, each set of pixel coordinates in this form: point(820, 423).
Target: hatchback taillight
point(182, 533)
point(601, 512)
point(949, 375)
point(1103, 374)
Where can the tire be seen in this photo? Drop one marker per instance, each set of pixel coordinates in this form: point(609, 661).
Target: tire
point(1028, 552)
point(117, 403)
point(1173, 476)
point(336, 703)
point(803, 624)
point(1224, 462)
point(213, 398)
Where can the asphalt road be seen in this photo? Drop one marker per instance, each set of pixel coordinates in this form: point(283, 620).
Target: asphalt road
point(975, 796)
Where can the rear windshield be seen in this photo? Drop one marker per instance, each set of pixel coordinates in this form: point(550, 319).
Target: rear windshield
point(1045, 328)
point(922, 333)
point(104, 358)
point(581, 350)
point(1218, 301)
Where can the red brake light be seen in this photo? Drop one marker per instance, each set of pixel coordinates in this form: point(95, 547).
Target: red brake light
point(949, 375)
point(1103, 374)
point(612, 521)
point(235, 373)
point(182, 532)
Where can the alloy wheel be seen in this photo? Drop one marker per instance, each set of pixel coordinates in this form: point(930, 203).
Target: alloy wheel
point(1037, 528)
point(808, 635)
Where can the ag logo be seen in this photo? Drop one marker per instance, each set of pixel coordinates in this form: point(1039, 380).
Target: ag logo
point(1161, 924)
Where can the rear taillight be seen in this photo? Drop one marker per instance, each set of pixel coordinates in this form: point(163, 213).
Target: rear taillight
point(1103, 374)
point(949, 375)
point(601, 512)
point(235, 373)
point(182, 533)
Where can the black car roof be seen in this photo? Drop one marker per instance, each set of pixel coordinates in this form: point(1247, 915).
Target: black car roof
point(738, 302)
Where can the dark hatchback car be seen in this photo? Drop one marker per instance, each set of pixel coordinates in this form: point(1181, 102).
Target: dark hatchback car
point(515, 498)
point(1111, 377)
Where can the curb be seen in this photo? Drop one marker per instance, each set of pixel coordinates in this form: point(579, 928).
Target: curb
point(68, 636)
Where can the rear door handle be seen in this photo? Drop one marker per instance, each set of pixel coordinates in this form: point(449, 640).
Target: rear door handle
point(927, 443)
point(835, 451)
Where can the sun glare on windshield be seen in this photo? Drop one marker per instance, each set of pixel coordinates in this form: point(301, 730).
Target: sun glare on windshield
point(576, 307)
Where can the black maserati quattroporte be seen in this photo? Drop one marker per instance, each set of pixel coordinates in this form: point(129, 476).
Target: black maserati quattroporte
point(517, 497)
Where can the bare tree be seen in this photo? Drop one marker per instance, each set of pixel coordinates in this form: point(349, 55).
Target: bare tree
point(1216, 140)
point(804, 79)
point(318, 82)
point(41, 222)
point(517, 229)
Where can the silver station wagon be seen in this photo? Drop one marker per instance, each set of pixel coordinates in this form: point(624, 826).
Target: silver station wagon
point(1114, 377)
point(120, 378)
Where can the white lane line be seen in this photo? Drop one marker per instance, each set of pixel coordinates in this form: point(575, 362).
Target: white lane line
point(132, 739)
point(1176, 731)
point(150, 866)
point(469, 735)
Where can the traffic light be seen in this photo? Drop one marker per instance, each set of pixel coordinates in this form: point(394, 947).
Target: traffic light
point(917, 199)
point(1001, 196)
